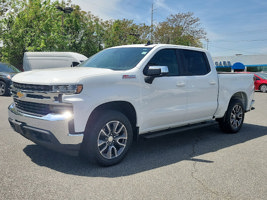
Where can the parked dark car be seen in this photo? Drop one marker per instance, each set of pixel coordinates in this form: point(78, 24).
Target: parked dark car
point(7, 71)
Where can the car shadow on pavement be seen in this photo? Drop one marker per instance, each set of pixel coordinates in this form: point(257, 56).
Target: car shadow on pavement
point(149, 154)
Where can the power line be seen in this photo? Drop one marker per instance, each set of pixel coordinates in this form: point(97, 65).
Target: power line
point(256, 40)
point(250, 31)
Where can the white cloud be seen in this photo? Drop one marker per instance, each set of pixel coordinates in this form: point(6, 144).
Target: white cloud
point(105, 9)
point(162, 4)
point(214, 36)
point(263, 50)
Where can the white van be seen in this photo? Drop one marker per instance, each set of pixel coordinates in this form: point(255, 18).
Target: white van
point(44, 60)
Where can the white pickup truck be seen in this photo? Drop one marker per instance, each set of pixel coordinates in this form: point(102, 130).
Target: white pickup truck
point(121, 93)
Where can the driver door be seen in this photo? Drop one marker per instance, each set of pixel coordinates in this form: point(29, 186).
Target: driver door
point(164, 100)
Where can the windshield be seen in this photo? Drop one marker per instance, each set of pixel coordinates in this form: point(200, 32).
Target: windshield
point(262, 75)
point(8, 68)
point(117, 58)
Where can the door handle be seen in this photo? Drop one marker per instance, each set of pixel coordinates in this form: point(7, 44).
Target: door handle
point(180, 84)
point(212, 83)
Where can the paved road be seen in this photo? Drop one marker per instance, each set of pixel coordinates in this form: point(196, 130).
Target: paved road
point(199, 164)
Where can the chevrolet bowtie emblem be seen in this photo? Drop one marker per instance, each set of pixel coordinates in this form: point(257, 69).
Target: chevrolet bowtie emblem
point(19, 94)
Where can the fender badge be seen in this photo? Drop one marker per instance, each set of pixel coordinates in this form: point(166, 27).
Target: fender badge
point(128, 76)
point(20, 94)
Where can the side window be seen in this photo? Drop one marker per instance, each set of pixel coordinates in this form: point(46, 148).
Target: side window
point(194, 63)
point(74, 64)
point(166, 57)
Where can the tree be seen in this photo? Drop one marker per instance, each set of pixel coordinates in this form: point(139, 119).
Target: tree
point(7, 6)
point(123, 32)
point(37, 25)
point(182, 28)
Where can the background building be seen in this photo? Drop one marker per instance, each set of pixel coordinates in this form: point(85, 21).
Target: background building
point(251, 63)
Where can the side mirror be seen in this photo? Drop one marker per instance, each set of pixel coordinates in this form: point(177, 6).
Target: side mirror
point(155, 71)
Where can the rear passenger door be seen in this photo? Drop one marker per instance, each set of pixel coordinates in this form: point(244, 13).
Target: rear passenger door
point(202, 85)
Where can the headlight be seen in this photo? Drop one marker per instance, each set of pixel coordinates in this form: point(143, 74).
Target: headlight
point(68, 89)
point(8, 76)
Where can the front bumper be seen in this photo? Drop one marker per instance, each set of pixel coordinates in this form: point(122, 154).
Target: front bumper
point(52, 130)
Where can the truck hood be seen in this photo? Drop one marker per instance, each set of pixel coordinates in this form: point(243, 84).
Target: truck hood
point(59, 75)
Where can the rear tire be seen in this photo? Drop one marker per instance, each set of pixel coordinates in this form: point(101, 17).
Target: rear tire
point(108, 138)
point(263, 88)
point(233, 118)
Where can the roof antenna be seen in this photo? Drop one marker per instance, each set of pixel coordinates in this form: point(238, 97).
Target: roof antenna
point(148, 43)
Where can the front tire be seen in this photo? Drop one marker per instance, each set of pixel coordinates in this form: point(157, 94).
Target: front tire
point(3, 88)
point(107, 138)
point(233, 118)
point(263, 88)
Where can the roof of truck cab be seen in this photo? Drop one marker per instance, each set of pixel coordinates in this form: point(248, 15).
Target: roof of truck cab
point(55, 54)
point(161, 45)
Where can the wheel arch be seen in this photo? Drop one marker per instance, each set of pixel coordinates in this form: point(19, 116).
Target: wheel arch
point(2, 79)
point(124, 107)
point(242, 97)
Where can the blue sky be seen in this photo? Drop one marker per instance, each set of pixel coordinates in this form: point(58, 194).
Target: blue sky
point(232, 26)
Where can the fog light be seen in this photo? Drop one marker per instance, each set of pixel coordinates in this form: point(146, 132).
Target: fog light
point(60, 109)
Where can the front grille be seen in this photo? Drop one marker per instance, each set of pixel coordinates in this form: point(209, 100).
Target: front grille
point(31, 87)
point(30, 107)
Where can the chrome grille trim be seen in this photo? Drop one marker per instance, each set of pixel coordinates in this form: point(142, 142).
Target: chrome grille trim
point(32, 87)
point(31, 107)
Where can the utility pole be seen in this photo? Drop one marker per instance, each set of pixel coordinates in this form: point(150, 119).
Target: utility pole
point(64, 10)
point(152, 26)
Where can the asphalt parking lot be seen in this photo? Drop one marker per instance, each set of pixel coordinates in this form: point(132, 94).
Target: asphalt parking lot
point(199, 164)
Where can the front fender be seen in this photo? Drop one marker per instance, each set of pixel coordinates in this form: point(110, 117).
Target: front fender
point(98, 91)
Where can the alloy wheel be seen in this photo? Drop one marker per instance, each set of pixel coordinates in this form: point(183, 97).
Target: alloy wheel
point(2, 88)
point(112, 139)
point(236, 116)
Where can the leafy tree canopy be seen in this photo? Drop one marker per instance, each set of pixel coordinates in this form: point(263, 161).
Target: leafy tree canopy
point(182, 28)
point(40, 25)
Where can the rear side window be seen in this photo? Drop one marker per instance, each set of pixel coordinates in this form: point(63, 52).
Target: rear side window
point(194, 63)
point(255, 77)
